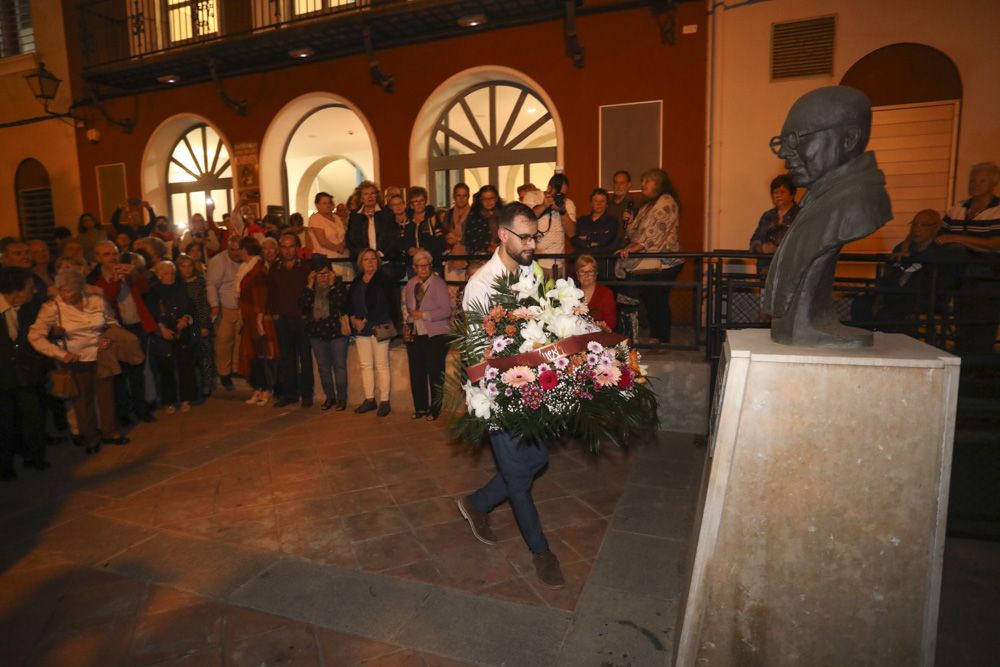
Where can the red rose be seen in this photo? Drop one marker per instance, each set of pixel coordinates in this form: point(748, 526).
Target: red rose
point(548, 380)
point(625, 381)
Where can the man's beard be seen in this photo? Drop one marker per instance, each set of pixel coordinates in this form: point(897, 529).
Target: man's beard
point(524, 260)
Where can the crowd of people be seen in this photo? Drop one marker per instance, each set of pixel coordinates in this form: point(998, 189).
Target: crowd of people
point(137, 320)
point(954, 253)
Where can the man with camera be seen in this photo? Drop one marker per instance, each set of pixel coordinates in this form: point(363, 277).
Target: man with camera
point(198, 232)
point(556, 220)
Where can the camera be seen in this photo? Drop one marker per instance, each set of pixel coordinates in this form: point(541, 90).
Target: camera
point(559, 199)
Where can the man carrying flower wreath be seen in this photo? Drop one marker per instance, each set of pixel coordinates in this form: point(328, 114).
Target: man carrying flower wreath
point(518, 459)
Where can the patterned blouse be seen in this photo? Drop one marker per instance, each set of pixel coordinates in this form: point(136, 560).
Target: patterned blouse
point(329, 327)
point(198, 293)
point(656, 228)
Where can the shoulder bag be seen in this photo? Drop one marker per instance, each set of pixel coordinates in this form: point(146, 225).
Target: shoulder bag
point(63, 383)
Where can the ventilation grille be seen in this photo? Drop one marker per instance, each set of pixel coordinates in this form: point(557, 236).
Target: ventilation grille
point(802, 48)
point(37, 218)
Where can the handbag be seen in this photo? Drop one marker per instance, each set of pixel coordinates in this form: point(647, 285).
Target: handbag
point(63, 383)
point(386, 331)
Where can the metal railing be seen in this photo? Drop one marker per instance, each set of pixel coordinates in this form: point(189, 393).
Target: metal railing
point(721, 292)
point(119, 30)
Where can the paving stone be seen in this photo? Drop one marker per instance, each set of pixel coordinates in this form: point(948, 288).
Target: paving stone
point(368, 605)
point(212, 569)
point(656, 511)
point(90, 539)
point(485, 631)
point(614, 627)
point(639, 564)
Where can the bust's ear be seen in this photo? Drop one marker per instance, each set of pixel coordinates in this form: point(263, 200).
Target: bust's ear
point(851, 139)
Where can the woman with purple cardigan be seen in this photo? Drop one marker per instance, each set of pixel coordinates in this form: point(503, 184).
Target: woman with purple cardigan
point(428, 308)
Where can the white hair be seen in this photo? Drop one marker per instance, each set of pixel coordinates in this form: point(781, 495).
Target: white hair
point(990, 168)
point(422, 254)
point(71, 279)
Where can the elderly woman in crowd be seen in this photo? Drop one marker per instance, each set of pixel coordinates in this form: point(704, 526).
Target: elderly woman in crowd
point(258, 341)
point(654, 229)
point(70, 328)
point(172, 347)
point(370, 308)
point(324, 308)
point(775, 223)
point(423, 230)
point(193, 276)
point(429, 313)
point(600, 300)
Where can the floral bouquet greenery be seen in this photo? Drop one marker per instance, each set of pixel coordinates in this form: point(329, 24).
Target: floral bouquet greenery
point(535, 364)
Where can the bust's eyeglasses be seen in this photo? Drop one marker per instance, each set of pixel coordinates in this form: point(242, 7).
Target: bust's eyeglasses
point(792, 141)
point(534, 238)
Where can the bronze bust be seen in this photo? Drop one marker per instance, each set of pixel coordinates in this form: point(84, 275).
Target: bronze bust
point(823, 145)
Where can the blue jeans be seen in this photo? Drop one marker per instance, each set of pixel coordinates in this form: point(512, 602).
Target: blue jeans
point(518, 462)
point(331, 355)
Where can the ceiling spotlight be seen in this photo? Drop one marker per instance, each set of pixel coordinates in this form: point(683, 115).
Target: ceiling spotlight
point(304, 52)
point(472, 20)
point(531, 110)
point(169, 78)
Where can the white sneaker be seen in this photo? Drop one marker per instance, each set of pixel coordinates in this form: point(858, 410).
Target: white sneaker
point(263, 398)
point(253, 398)
point(185, 406)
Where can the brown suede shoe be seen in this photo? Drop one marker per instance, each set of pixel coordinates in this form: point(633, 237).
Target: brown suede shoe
point(547, 570)
point(479, 521)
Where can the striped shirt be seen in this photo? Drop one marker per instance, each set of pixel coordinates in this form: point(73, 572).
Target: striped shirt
point(986, 224)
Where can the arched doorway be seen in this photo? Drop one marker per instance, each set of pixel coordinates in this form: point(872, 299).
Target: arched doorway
point(916, 94)
point(510, 83)
point(291, 160)
point(494, 132)
point(328, 151)
point(34, 201)
point(172, 169)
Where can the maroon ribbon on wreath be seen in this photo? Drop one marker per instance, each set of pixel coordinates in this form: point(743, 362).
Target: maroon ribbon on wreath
point(544, 355)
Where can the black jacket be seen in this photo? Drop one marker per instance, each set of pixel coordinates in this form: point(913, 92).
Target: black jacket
point(22, 365)
point(386, 234)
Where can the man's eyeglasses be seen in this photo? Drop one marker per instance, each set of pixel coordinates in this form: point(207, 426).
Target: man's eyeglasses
point(792, 141)
point(422, 265)
point(534, 238)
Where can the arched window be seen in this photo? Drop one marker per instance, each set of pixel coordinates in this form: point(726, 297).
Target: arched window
point(495, 132)
point(34, 201)
point(198, 168)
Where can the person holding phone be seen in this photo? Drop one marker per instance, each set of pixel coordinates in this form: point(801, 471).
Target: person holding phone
point(323, 306)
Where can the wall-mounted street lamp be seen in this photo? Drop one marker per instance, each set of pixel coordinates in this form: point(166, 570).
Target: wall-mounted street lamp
point(44, 86)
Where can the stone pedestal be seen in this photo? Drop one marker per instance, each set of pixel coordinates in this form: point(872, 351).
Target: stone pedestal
point(821, 522)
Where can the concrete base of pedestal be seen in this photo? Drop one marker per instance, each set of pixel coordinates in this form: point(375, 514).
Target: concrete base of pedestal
point(822, 515)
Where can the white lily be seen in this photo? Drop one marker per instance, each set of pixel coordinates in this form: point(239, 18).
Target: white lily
point(567, 293)
point(478, 401)
point(533, 334)
point(526, 287)
point(564, 326)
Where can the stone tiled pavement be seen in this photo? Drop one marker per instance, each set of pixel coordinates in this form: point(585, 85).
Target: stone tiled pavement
point(252, 536)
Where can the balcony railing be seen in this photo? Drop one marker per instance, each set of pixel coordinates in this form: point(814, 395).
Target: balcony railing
point(118, 30)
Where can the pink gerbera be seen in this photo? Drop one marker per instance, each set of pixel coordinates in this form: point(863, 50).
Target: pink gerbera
point(607, 375)
point(518, 375)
